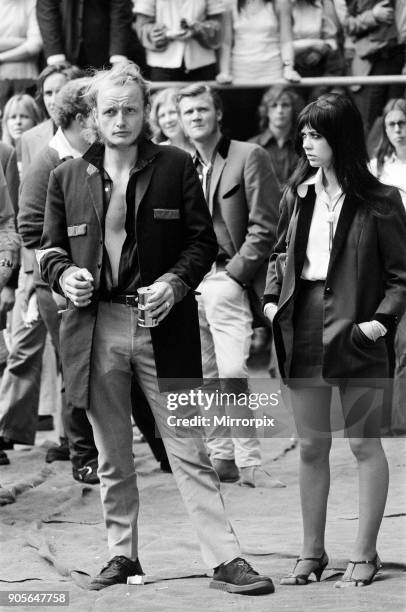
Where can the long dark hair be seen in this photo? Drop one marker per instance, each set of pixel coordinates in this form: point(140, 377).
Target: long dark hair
point(242, 3)
point(336, 117)
point(385, 147)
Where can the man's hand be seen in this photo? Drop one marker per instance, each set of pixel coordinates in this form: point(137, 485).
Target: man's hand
point(160, 300)
point(383, 12)
point(28, 288)
point(7, 299)
point(78, 286)
point(158, 36)
point(224, 78)
point(290, 74)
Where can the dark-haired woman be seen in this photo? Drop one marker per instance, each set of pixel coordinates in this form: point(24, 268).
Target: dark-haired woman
point(336, 284)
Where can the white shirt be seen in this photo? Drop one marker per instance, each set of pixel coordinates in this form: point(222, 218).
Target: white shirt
point(393, 173)
point(170, 13)
point(318, 245)
point(61, 145)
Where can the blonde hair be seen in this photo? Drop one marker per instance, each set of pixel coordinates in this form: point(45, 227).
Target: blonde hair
point(164, 96)
point(121, 74)
point(29, 106)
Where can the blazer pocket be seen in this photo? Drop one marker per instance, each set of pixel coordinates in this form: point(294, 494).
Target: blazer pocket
point(231, 192)
point(77, 230)
point(166, 214)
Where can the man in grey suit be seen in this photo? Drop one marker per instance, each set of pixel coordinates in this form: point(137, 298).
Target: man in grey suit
point(243, 197)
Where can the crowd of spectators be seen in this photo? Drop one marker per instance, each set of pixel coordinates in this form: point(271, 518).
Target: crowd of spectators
point(45, 43)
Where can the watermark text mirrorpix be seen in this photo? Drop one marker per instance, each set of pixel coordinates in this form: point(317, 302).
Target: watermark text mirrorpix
point(214, 404)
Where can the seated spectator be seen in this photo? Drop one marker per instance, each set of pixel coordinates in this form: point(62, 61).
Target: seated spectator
point(377, 52)
point(278, 113)
point(257, 42)
point(165, 120)
point(20, 40)
point(317, 40)
point(20, 114)
point(87, 33)
point(180, 38)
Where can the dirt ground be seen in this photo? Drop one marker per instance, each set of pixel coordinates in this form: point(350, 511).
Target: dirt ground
point(52, 537)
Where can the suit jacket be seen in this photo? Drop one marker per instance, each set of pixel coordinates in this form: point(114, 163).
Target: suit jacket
point(33, 141)
point(87, 32)
point(366, 280)
point(244, 188)
point(8, 161)
point(175, 242)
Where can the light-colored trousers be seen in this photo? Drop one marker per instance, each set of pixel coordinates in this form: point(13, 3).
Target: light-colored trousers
point(225, 319)
point(121, 348)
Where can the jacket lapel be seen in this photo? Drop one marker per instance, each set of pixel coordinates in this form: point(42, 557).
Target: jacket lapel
point(218, 167)
point(348, 211)
point(142, 183)
point(95, 186)
point(304, 219)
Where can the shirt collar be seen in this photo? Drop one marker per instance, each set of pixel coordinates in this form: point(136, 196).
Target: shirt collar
point(316, 180)
point(303, 187)
point(266, 137)
point(221, 148)
point(147, 152)
point(62, 146)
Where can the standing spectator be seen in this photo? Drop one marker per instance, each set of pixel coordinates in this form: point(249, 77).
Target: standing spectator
point(400, 18)
point(20, 114)
point(317, 41)
point(278, 111)
point(377, 52)
point(165, 120)
point(389, 166)
point(87, 32)
point(257, 42)
point(8, 163)
point(242, 194)
point(20, 40)
point(50, 81)
point(19, 391)
point(99, 266)
point(180, 38)
point(257, 48)
point(22, 377)
point(9, 253)
point(342, 289)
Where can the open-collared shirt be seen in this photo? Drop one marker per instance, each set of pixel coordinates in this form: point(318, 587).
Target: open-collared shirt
point(318, 245)
point(129, 271)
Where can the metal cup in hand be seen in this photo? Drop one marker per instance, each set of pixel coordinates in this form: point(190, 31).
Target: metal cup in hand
point(144, 317)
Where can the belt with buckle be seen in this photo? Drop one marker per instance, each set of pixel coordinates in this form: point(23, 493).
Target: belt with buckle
point(127, 300)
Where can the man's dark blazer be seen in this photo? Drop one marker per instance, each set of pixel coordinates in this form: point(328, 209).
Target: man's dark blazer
point(88, 32)
point(366, 280)
point(174, 236)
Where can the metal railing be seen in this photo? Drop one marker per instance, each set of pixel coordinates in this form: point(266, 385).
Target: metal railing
point(342, 81)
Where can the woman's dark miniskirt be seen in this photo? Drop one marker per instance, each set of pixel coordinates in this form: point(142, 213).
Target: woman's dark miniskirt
point(307, 356)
